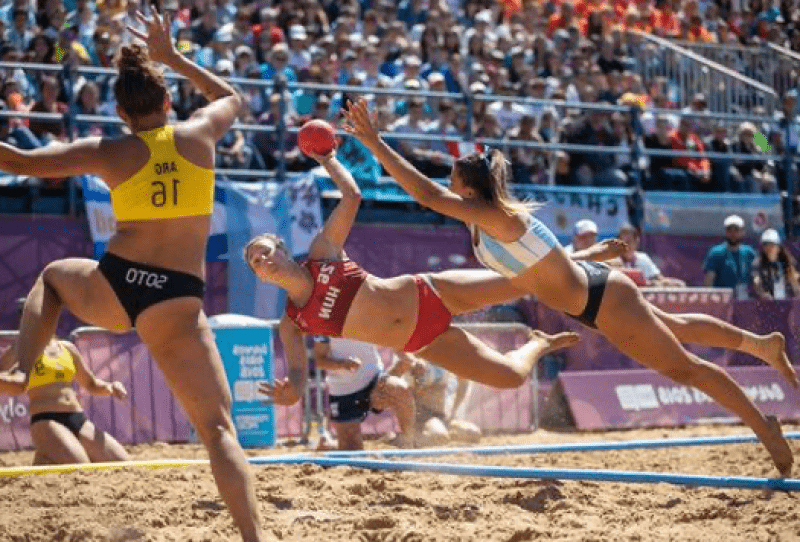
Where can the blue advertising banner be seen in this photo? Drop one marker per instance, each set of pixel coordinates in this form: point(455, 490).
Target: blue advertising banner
point(248, 355)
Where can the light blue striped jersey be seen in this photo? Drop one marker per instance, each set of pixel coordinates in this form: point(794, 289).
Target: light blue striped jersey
point(512, 259)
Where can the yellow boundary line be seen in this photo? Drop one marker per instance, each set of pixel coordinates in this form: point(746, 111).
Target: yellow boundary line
point(67, 469)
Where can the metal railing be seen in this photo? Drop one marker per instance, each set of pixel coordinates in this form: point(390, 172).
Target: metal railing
point(725, 88)
point(635, 150)
point(769, 64)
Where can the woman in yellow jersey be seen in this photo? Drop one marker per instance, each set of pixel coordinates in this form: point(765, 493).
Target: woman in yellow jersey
point(60, 431)
point(162, 183)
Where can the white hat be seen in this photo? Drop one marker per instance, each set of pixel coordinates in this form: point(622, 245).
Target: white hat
point(435, 77)
point(484, 16)
point(734, 220)
point(585, 226)
point(224, 65)
point(771, 236)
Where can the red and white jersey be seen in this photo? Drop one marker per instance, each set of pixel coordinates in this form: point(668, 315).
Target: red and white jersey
point(335, 286)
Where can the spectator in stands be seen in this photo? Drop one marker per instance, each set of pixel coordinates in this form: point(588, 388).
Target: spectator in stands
point(695, 171)
point(632, 258)
point(413, 122)
point(754, 175)
point(698, 108)
point(528, 165)
point(584, 235)
point(724, 176)
point(278, 64)
point(48, 130)
point(729, 264)
point(561, 176)
point(60, 431)
point(441, 152)
point(594, 168)
point(435, 423)
point(508, 111)
point(357, 384)
point(267, 142)
point(775, 270)
point(607, 60)
point(787, 118)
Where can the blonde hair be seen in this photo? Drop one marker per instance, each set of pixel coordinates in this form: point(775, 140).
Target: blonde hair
point(279, 245)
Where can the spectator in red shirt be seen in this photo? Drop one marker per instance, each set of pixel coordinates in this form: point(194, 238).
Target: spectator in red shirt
point(663, 20)
point(564, 19)
point(698, 170)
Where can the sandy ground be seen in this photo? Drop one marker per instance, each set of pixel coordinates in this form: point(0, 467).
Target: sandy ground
point(309, 503)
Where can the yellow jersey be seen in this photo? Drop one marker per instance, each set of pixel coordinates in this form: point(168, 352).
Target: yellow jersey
point(52, 369)
point(168, 186)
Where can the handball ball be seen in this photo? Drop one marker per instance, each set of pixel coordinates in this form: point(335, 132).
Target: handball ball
point(316, 137)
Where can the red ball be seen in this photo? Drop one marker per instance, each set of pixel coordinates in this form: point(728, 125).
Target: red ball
point(316, 137)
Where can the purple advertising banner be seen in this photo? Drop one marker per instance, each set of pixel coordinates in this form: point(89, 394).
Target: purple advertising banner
point(594, 352)
point(644, 398)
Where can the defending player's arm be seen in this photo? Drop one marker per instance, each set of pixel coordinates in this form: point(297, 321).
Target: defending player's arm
point(602, 251)
point(89, 381)
point(425, 191)
point(12, 380)
point(217, 117)
point(324, 360)
point(58, 160)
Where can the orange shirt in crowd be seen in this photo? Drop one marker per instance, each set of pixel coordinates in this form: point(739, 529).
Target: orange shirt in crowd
point(698, 166)
point(584, 7)
point(700, 34)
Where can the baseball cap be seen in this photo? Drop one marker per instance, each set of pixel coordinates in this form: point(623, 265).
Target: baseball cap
point(771, 236)
point(733, 220)
point(585, 226)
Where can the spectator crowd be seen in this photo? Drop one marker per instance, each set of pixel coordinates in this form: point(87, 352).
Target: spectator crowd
point(563, 50)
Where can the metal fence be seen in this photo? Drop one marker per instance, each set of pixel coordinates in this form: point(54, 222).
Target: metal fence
point(663, 58)
point(769, 64)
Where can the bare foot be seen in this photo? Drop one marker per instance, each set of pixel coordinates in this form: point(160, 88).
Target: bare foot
point(774, 354)
point(778, 448)
point(554, 342)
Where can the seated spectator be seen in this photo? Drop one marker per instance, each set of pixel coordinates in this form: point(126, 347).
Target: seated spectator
point(561, 176)
point(724, 177)
point(357, 384)
point(278, 63)
point(635, 259)
point(754, 174)
point(660, 175)
point(267, 142)
point(696, 171)
point(508, 112)
point(607, 60)
point(584, 235)
point(528, 165)
point(48, 130)
point(775, 270)
point(729, 264)
point(413, 122)
point(440, 154)
point(435, 424)
point(590, 168)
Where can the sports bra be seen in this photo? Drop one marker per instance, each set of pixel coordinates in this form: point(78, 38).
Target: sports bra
point(512, 259)
point(52, 369)
point(167, 186)
point(335, 285)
